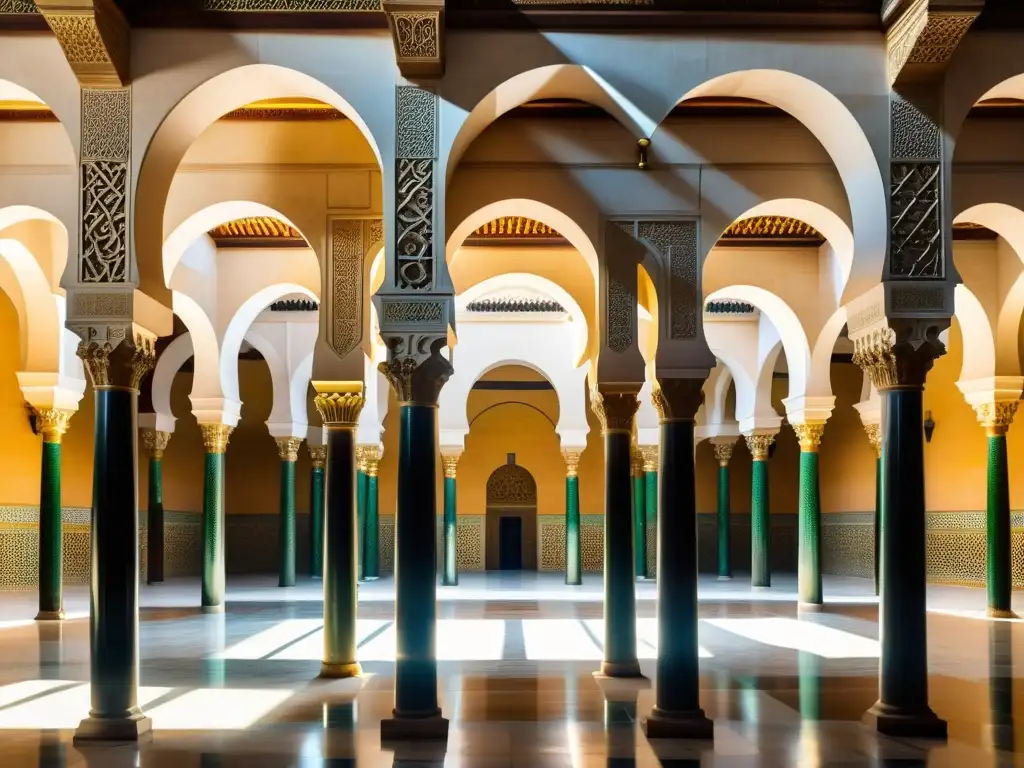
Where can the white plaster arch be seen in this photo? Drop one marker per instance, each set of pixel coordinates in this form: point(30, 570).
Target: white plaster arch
point(184, 123)
point(40, 312)
point(979, 355)
point(167, 366)
point(716, 394)
point(280, 411)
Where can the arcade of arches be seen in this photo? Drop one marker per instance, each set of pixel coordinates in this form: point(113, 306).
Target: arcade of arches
point(336, 352)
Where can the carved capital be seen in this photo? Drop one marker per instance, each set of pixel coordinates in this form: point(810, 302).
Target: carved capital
point(996, 417)
point(572, 462)
point(900, 355)
point(288, 448)
point(451, 464)
point(215, 437)
point(361, 458)
point(678, 399)
point(318, 455)
point(372, 460)
point(155, 442)
point(339, 403)
point(723, 451)
point(415, 368)
point(615, 410)
point(874, 433)
point(649, 453)
point(52, 423)
point(118, 362)
point(759, 444)
point(809, 435)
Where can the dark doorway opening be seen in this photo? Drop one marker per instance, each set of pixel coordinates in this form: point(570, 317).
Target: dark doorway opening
point(510, 543)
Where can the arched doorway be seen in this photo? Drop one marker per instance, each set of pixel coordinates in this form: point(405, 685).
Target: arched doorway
point(511, 519)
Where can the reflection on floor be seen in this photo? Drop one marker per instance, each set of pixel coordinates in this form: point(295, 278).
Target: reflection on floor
point(516, 656)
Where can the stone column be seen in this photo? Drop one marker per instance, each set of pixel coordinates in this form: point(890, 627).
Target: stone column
point(450, 577)
point(155, 443)
point(809, 591)
point(650, 455)
point(417, 381)
point(616, 412)
point(318, 455)
point(288, 451)
point(51, 423)
point(215, 442)
point(677, 713)
point(723, 453)
point(339, 404)
point(636, 463)
point(760, 512)
point(874, 432)
point(116, 371)
point(996, 418)
point(897, 360)
point(573, 549)
point(361, 511)
point(371, 567)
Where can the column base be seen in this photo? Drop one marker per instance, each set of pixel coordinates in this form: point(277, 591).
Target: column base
point(724, 578)
point(810, 607)
point(574, 582)
point(285, 586)
point(133, 728)
point(213, 608)
point(621, 669)
point(335, 671)
point(913, 725)
point(999, 613)
point(679, 725)
point(446, 583)
point(50, 615)
point(403, 728)
point(760, 587)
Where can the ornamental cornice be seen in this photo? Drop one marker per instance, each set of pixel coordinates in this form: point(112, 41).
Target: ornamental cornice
point(95, 38)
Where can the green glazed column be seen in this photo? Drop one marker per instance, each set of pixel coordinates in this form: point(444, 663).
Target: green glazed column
point(155, 443)
point(573, 548)
point(677, 713)
point(898, 365)
point(616, 411)
point(318, 456)
point(809, 592)
point(996, 418)
point(723, 453)
point(361, 509)
point(288, 452)
point(417, 382)
point(760, 514)
point(450, 577)
point(874, 432)
point(116, 375)
point(51, 423)
point(371, 552)
point(215, 442)
point(650, 456)
point(636, 464)
point(339, 405)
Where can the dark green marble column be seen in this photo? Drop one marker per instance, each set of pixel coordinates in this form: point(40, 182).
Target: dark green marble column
point(372, 548)
point(573, 549)
point(318, 455)
point(155, 443)
point(116, 375)
point(339, 405)
point(898, 373)
point(723, 453)
point(288, 452)
point(215, 441)
point(417, 383)
point(677, 713)
point(51, 423)
point(616, 411)
point(450, 575)
point(636, 464)
point(809, 591)
point(996, 418)
point(760, 513)
point(361, 510)
point(650, 454)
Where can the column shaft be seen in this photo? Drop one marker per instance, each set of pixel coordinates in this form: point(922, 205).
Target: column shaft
point(809, 523)
point(573, 551)
point(451, 568)
point(724, 524)
point(651, 502)
point(316, 522)
point(155, 522)
point(620, 659)
point(415, 566)
point(361, 514)
point(878, 525)
point(760, 526)
point(213, 533)
point(1000, 569)
point(372, 566)
point(639, 524)
point(286, 531)
point(51, 547)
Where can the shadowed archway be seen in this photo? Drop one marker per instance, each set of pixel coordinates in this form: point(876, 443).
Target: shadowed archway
point(511, 519)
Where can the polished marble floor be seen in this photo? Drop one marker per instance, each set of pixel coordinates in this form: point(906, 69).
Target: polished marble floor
point(516, 657)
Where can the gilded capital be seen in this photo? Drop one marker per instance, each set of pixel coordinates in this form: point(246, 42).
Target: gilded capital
point(572, 462)
point(678, 399)
point(996, 417)
point(52, 423)
point(361, 458)
point(809, 435)
point(288, 448)
point(723, 452)
point(615, 410)
point(372, 461)
point(874, 433)
point(121, 361)
point(451, 463)
point(759, 445)
point(215, 437)
point(155, 442)
point(339, 403)
point(649, 453)
point(318, 455)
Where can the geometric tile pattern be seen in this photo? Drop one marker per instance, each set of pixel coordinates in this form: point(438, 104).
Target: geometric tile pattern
point(469, 542)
